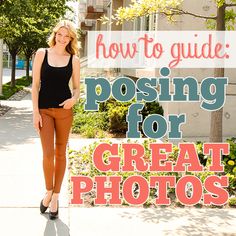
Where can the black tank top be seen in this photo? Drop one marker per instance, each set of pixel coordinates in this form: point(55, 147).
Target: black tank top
point(54, 88)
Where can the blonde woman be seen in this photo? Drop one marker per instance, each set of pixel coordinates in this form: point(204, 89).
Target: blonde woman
point(52, 105)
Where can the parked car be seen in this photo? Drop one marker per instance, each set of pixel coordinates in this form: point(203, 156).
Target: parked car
point(20, 64)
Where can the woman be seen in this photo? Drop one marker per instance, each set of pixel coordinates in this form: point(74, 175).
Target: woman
point(52, 105)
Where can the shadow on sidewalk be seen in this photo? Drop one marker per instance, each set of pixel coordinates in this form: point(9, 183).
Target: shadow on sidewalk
point(198, 221)
point(16, 128)
point(55, 227)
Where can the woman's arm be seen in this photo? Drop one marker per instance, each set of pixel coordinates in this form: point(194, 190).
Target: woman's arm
point(67, 104)
point(37, 120)
point(76, 78)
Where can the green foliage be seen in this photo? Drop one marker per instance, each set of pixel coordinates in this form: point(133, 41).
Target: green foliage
point(211, 24)
point(230, 17)
point(111, 103)
point(29, 21)
point(232, 184)
point(179, 204)
point(81, 163)
point(117, 118)
point(152, 108)
point(84, 156)
point(201, 156)
point(116, 114)
point(79, 107)
point(230, 160)
point(170, 8)
point(232, 202)
point(220, 3)
point(8, 91)
point(88, 124)
point(110, 117)
point(25, 24)
point(145, 7)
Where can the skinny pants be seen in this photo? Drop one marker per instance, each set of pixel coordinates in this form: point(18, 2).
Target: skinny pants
point(56, 125)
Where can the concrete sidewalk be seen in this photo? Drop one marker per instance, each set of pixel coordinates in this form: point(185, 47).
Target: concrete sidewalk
point(22, 188)
point(7, 74)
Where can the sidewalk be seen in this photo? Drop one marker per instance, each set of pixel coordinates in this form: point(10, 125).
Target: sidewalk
point(21, 177)
point(22, 188)
point(7, 74)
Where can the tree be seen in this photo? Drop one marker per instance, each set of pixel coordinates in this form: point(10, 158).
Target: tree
point(41, 17)
point(224, 19)
point(25, 24)
point(30, 44)
point(14, 47)
point(10, 31)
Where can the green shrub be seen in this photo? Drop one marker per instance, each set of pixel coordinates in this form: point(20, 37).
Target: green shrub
point(8, 91)
point(230, 160)
point(152, 108)
point(232, 202)
point(117, 112)
point(201, 156)
point(117, 119)
point(232, 184)
point(79, 106)
point(179, 204)
point(110, 117)
point(81, 163)
point(89, 124)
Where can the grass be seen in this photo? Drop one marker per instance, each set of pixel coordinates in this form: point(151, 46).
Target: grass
point(8, 91)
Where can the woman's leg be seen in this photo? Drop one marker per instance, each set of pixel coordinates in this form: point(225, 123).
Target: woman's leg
point(63, 124)
point(47, 141)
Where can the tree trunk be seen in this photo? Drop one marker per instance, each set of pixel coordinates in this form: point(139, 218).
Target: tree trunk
point(1, 65)
point(13, 70)
point(216, 129)
point(27, 67)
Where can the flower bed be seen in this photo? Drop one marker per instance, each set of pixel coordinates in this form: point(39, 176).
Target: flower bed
point(81, 163)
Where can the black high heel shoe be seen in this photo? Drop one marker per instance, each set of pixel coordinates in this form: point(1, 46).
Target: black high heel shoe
point(42, 207)
point(54, 215)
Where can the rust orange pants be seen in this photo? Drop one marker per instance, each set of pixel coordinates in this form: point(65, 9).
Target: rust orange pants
point(54, 136)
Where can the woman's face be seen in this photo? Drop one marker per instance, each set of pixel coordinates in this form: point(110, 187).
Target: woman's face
point(63, 37)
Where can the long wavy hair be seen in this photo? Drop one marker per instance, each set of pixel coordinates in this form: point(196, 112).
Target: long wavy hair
point(73, 46)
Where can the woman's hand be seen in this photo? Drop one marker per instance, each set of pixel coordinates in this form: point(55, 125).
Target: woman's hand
point(69, 103)
point(37, 121)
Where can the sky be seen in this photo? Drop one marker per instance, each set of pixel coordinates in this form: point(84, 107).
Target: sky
point(75, 6)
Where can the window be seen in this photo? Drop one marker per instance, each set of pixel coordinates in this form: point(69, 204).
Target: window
point(109, 13)
point(137, 24)
point(146, 23)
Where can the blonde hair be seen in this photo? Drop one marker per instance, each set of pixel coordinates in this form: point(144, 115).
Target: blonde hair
point(73, 46)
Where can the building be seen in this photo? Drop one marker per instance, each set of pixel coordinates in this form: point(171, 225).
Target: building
point(198, 120)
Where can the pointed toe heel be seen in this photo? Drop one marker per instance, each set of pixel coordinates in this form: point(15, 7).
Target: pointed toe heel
point(42, 207)
point(54, 215)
